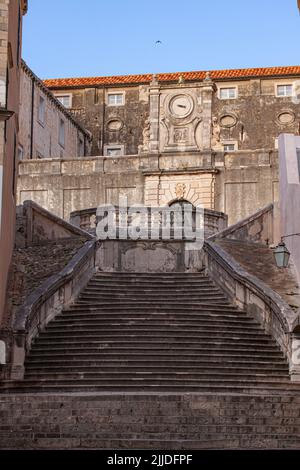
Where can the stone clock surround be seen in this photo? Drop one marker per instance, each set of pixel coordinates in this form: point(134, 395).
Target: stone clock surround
point(172, 131)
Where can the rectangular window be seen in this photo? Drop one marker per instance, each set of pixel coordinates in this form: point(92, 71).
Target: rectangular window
point(113, 151)
point(65, 100)
point(41, 111)
point(228, 93)
point(115, 99)
point(61, 135)
point(229, 147)
point(20, 153)
point(284, 90)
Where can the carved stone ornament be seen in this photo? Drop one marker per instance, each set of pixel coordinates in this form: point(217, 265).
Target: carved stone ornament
point(180, 190)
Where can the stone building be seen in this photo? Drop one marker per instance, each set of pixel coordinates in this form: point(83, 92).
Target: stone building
point(208, 138)
point(11, 13)
point(47, 129)
point(246, 108)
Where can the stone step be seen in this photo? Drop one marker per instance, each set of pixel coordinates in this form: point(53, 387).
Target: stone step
point(118, 332)
point(149, 379)
point(243, 388)
point(163, 366)
point(149, 342)
point(192, 336)
point(200, 310)
point(140, 299)
point(152, 291)
point(185, 360)
point(156, 375)
point(201, 318)
point(127, 302)
point(159, 351)
point(147, 306)
point(200, 272)
point(121, 290)
point(70, 329)
point(162, 284)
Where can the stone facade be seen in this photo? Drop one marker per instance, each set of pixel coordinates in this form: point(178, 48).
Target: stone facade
point(11, 13)
point(187, 112)
point(208, 138)
point(236, 183)
point(41, 115)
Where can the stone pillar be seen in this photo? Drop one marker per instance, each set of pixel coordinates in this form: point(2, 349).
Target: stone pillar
point(208, 89)
point(154, 116)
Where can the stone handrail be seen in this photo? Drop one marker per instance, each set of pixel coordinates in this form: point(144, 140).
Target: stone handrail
point(48, 300)
point(248, 293)
point(86, 219)
point(245, 229)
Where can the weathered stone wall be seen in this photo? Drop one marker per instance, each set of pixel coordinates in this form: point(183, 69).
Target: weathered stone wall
point(251, 121)
point(90, 107)
point(237, 183)
point(246, 182)
point(186, 421)
point(11, 13)
point(256, 113)
point(40, 138)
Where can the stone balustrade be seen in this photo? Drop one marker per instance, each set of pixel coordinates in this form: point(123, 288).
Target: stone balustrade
point(252, 295)
point(214, 221)
point(46, 302)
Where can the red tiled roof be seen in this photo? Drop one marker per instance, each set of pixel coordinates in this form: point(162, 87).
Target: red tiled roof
point(170, 77)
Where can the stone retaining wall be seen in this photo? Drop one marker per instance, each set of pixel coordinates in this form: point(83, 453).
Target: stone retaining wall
point(149, 421)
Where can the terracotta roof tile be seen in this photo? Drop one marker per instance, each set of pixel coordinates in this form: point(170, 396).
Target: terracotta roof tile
point(170, 77)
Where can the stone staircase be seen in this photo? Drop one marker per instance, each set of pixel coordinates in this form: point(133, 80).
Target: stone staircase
point(152, 361)
point(154, 332)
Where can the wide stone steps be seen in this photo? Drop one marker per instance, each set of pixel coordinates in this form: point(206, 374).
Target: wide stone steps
point(158, 332)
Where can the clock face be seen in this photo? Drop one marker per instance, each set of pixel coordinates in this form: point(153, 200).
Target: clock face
point(181, 106)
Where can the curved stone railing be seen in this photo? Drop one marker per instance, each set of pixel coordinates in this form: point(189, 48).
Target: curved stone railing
point(47, 301)
point(86, 219)
point(256, 228)
point(250, 294)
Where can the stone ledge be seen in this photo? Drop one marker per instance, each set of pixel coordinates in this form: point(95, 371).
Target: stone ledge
point(227, 232)
point(31, 206)
point(43, 292)
point(258, 299)
point(46, 302)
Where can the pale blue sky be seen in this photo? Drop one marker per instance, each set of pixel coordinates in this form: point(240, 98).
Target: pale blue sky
point(69, 38)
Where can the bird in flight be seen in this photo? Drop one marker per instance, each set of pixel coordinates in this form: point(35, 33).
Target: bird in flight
point(158, 42)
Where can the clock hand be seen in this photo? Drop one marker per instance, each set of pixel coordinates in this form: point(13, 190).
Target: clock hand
point(181, 106)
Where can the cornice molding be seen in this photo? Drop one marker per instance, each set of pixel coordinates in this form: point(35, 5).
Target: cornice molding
point(24, 6)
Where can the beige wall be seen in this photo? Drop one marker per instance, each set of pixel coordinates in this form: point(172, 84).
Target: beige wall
point(237, 183)
point(41, 139)
point(290, 195)
point(10, 34)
